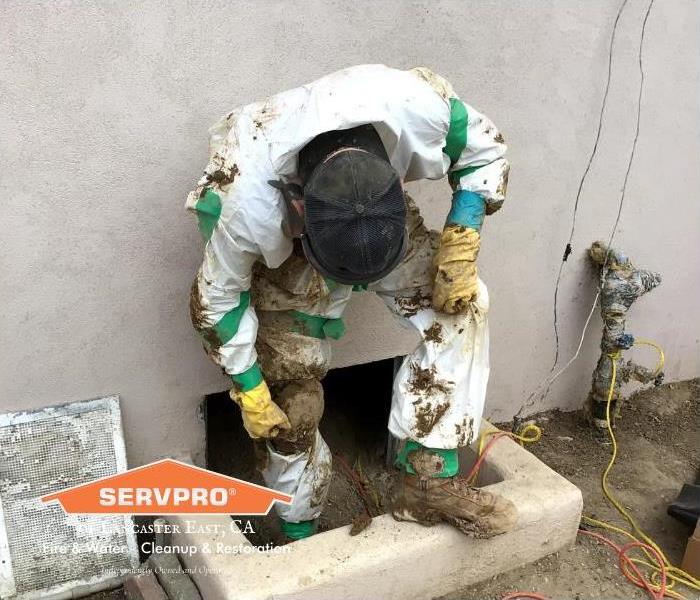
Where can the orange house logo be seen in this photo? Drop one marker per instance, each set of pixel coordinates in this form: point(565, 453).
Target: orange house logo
point(168, 487)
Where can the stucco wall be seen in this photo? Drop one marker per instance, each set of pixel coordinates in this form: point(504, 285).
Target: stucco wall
point(105, 107)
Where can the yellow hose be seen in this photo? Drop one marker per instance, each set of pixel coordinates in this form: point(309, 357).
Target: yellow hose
point(532, 433)
point(674, 573)
point(535, 433)
point(662, 358)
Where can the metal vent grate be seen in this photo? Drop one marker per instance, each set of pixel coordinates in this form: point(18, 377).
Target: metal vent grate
point(46, 451)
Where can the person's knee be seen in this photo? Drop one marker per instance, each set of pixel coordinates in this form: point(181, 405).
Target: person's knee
point(288, 356)
point(302, 402)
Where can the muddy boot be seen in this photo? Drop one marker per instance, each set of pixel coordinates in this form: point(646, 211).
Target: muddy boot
point(430, 492)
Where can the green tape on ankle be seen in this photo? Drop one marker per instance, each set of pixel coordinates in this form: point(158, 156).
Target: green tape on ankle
point(298, 531)
point(449, 455)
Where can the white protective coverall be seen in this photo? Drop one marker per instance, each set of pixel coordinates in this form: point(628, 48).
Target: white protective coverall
point(250, 262)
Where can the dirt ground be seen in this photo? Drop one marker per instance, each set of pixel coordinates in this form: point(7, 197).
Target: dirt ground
point(659, 449)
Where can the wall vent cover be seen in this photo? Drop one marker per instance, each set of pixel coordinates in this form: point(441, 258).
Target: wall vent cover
point(45, 451)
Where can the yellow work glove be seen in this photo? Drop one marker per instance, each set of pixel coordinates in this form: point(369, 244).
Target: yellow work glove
point(456, 281)
point(262, 418)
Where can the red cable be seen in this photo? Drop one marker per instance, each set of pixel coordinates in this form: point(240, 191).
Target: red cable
point(354, 479)
point(472, 472)
point(626, 563)
point(482, 456)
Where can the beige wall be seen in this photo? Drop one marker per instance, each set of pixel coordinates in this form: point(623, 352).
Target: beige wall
point(105, 107)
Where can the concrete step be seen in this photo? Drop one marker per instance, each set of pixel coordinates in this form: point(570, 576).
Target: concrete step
point(389, 558)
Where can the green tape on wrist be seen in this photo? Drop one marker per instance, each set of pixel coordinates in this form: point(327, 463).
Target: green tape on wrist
point(249, 379)
point(449, 455)
point(298, 531)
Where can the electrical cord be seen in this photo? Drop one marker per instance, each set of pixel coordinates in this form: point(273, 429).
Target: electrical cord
point(545, 385)
point(662, 574)
point(636, 132)
point(627, 564)
point(568, 248)
point(550, 380)
point(641, 539)
point(356, 483)
point(522, 437)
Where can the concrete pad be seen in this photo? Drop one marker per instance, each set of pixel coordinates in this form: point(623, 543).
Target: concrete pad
point(392, 559)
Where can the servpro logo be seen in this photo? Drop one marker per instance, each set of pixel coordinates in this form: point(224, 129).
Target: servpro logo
point(168, 487)
point(152, 497)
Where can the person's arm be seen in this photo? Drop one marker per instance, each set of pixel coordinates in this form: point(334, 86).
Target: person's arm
point(478, 174)
point(222, 312)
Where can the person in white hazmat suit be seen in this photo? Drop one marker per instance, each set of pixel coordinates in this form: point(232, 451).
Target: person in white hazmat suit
point(302, 204)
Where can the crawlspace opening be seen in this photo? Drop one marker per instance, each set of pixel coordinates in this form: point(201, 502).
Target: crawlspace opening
point(357, 402)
